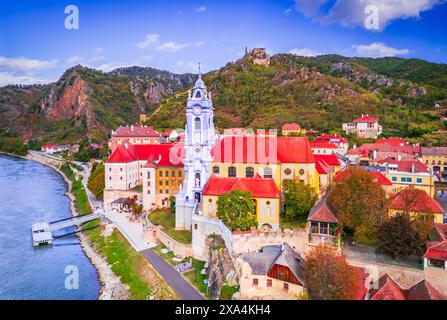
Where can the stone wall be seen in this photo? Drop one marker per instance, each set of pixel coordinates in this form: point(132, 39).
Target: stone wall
point(155, 234)
point(254, 241)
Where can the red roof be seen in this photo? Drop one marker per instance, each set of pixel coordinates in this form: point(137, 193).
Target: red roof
point(438, 251)
point(165, 155)
point(393, 145)
point(257, 186)
point(416, 200)
point(410, 166)
point(330, 159)
point(323, 145)
point(387, 289)
point(358, 151)
point(135, 131)
point(423, 291)
point(322, 213)
point(291, 126)
point(441, 228)
point(256, 149)
point(366, 119)
point(333, 138)
point(322, 167)
point(377, 175)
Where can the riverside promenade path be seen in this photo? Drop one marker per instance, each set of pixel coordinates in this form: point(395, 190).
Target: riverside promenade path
point(134, 233)
point(175, 280)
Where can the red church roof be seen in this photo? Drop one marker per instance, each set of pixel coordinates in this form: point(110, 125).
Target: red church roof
point(257, 186)
point(256, 149)
point(416, 200)
point(165, 155)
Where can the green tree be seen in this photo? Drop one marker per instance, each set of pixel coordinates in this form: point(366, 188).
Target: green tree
point(399, 237)
point(237, 210)
point(360, 204)
point(96, 181)
point(299, 198)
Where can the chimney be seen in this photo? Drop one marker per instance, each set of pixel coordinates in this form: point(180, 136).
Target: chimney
point(131, 128)
point(355, 146)
point(412, 168)
point(126, 145)
point(399, 157)
point(374, 154)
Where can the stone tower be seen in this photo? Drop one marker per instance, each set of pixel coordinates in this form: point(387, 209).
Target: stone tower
point(199, 139)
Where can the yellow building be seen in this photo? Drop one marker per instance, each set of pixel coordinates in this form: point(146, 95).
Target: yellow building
point(264, 191)
point(290, 129)
point(417, 204)
point(276, 158)
point(403, 174)
point(168, 180)
point(435, 158)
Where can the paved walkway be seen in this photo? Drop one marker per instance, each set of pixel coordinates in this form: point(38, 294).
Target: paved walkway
point(175, 280)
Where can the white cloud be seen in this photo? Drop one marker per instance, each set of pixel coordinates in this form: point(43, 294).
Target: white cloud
point(7, 79)
point(26, 65)
point(200, 9)
point(149, 40)
point(287, 12)
point(186, 67)
point(74, 60)
point(378, 50)
point(352, 12)
point(199, 44)
point(172, 46)
point(306, 52)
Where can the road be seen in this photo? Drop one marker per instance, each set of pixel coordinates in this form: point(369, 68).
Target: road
point(175, 280)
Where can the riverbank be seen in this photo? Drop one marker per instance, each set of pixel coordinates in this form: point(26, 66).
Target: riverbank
point(111, 286)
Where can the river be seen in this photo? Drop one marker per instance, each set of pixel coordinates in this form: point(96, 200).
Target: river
point(31, 192)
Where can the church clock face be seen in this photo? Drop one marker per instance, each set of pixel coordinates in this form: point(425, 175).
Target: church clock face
point(197, 148)
point(196, 110)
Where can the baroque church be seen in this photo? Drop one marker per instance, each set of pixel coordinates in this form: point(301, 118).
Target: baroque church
point(199, 140)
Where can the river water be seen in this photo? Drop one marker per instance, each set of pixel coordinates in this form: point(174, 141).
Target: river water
point(31, 192)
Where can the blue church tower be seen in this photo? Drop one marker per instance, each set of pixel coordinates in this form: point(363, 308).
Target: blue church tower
point(199, 139)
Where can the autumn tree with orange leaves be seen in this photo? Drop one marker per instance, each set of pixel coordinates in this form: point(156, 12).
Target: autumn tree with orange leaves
point(330, 277)
point(360, 204)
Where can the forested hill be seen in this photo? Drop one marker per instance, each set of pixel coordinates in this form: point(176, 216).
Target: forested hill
point(323, 92)
point(408, 95)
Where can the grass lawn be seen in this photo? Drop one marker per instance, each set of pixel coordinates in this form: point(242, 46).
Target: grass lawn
point(228, 291)
point(298, 222)
point(131, 266)
point(196, 278)
point(166, 219)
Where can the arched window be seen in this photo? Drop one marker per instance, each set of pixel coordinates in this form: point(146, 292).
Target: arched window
point(268, 173)
point(268, 212)
point(198, 95)
point(249, 172)
point(197, 180)
point(232, 172)
point(197, 126)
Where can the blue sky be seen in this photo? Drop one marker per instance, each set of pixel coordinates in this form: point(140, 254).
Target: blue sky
point(175, 35)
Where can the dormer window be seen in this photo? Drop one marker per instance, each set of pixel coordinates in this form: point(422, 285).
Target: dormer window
point(198, 95)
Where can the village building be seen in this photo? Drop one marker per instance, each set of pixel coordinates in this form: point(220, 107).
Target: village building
point(291, 129)
point(274, 272)
point(170, 135)
point(265, 194)
point(53, 148)
point(392, 148)
point(358, 156)
point(325, 175)
point(435, 158)
point(386, 288)
point(248, 156)
point(331, 160)
point(323, 147)
point(133, 135)
point(405, 173)
point(322, 224)
point(339, 141)
point(125, 170)
point(364, 127)
point(417, 204)
point(436, 254)
point(377, 176)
